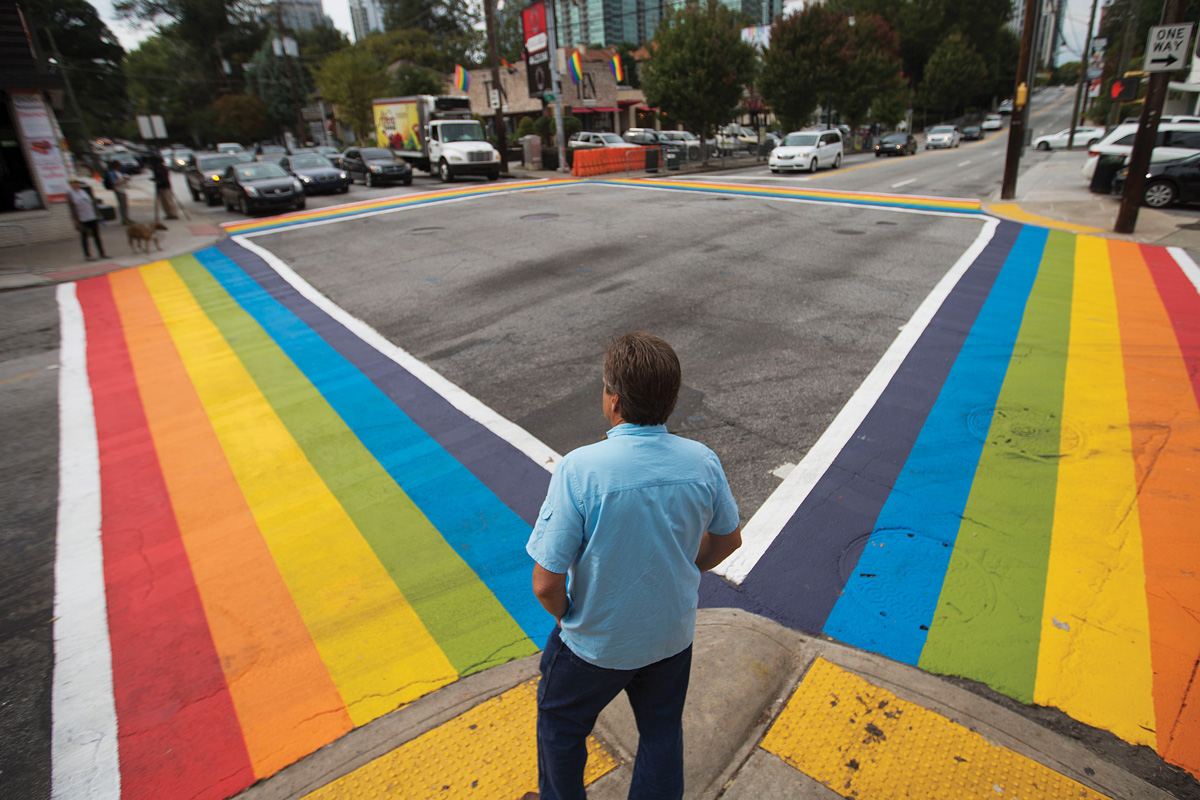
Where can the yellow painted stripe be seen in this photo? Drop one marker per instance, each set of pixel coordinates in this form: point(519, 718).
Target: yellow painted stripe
point(863, 741)
point(1017, 214)
point(1095, 608)
point(375, 647)
point(488, 752)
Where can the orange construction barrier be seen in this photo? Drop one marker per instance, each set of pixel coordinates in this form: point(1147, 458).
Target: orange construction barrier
point(607, 159)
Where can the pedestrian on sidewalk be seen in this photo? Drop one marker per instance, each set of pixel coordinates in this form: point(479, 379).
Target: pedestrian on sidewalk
point(628, 525)
point(118, 182)
point(82, 205)
point(164, 198)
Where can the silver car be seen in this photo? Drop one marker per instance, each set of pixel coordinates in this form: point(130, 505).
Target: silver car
point(940, 136)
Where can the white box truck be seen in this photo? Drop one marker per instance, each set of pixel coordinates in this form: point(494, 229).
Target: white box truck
point(436, 134)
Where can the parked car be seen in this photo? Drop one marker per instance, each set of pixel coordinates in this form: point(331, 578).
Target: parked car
point(648, 137)
point(262, 149)
point(230, 147)
point(127, 162)
point(317, 173)
point(589, 140)
point(255, 186)
point(689, 140)
point(734, 138)
point(992, 122)
point(896, 144)
point(1006, 107)
point(807, 150)
point(1167, 182)
point(205, 171)
point(942, 136)
point(972, 133)
point(179, 159)
point(375, 166)
point(331, 153)
point(1085, 135)
point(1175, 140)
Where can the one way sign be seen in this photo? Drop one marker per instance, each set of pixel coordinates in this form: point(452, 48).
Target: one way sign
point(1167, 48)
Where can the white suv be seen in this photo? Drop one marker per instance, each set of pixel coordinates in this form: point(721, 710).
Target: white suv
point(806, 150)
point(1174, 140)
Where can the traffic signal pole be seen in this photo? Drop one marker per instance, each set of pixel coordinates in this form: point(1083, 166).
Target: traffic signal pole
point(1083, 75)
point(1016, 124)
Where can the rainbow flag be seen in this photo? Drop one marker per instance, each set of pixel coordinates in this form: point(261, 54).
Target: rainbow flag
point(575, 67)
point(1019, 505)
point(617, 70)
point(462, 79)
point(507, 66)
point(265, 478)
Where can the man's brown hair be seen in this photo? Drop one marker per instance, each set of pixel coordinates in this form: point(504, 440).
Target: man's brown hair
point(643, 371)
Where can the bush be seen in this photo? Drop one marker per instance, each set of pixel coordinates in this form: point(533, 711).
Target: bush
point(525, 126)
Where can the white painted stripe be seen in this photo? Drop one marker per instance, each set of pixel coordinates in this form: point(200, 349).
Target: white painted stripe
point(515, 435)
point(1190, 270)
point(964, 163)
point(797, 178)
point(768, 521)
point(84, 718)
point(903, 183)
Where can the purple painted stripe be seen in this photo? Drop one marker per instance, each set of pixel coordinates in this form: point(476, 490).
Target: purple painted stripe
point(507, 472)
point(800, 577)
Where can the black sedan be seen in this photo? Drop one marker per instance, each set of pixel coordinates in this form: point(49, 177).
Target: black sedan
point(1167, 182)
point(375, 166)
point(257, 186)
point(204, 173)
point(896, 144)
point(317, 174)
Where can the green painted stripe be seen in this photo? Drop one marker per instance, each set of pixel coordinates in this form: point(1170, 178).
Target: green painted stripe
point(463, 617)
point(989, 615)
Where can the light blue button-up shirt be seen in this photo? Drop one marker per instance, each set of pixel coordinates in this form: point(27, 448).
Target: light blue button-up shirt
point(624, 518)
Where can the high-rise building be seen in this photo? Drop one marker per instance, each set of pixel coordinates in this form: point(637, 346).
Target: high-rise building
point(365, 17)
point(1047, 27)
point(298, 15)
point(608, 23)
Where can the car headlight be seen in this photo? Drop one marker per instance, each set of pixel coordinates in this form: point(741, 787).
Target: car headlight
point(342, 175)
point(373, 168)
point(251, 191)
point(306, 178)
point(214, 178)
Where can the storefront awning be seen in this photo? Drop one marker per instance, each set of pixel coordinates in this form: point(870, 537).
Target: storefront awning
point(589, 110)
point(627, 103)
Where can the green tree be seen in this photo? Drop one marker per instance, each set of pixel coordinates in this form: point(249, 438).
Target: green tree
point(320, 41)
point(242, 117)
point(351, 79)
point(90, 57)
point(810, 53)
point(410, 79)
point(699, 67)
point(953, 75)
point(874, 65)
point(893, 102)
point(438, 17)
point(163, 78)
point(629, 64)
point(271, 78)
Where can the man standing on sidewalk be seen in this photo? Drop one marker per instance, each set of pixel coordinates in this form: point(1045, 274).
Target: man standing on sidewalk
point(164, 198)
point(627, 527)
point(82, 206)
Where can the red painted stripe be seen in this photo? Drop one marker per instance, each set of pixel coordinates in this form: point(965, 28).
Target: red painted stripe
point(178, 735)
point(1182, 302)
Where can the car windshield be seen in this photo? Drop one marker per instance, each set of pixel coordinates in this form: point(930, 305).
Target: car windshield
point(462, 132)
point(370, 153)
point(272, 149)
point(258, 171)
point(217, 162)
point(611, 138)
point(944, 129)
point(179, 155)
point(230, 148)
point(895, 138)
point(800, 140)
point(310, 161)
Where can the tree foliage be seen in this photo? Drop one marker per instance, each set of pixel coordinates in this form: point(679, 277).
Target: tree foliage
point(438, 17)
point(271, 78)
point(242, 117)
point(351, 79)
point(699, 66)
point(953, 75)
point(90, 57)
point(410, 79)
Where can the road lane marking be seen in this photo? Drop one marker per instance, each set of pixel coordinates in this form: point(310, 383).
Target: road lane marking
point(964, 163)
point(903, 183)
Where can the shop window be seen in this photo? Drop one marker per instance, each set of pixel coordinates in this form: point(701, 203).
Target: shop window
point(17, 192)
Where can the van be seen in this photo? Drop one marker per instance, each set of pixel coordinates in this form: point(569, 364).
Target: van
point(1175, 140)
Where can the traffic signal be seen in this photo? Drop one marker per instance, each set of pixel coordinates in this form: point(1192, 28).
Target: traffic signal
point(1123, 90)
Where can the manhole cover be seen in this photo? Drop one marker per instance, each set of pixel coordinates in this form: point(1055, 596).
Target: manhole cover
point(539, 217)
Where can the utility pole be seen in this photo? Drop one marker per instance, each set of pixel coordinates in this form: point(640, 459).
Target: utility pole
point(287, 66)
point(1147, 132)
point(1016, 125)
point(489, 12)
point(1131, 25)
point(87, 139)
point(555, 88)
point(1083, 78)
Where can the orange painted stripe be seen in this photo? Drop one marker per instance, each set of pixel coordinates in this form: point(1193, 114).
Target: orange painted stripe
point(1165, 423)
point(285, 701)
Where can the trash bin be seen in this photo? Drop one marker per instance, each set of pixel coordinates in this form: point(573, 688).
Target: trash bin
point(1106, 169)
point(652, 159)
point(672, 158)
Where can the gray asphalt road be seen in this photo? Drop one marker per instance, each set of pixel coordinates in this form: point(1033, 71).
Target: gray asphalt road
point(778, 309)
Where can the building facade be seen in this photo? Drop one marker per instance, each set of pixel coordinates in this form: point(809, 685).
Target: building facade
point(608, 23)
point(365, 18)
point(299, 15)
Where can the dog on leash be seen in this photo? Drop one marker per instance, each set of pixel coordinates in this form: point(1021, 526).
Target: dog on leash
point(140, 236)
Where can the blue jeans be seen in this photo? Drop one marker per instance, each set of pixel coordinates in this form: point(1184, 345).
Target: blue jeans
point(570, 696)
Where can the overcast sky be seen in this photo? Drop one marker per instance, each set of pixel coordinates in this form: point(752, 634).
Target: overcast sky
point(1074, 26)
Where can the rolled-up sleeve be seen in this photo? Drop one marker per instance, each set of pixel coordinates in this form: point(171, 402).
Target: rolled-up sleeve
point(558, 533)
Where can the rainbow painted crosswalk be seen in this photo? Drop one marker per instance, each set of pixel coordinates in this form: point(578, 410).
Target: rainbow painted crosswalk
point(1019, 506)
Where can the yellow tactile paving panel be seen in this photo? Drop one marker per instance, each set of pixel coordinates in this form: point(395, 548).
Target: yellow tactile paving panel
point(488, 752)
point(863, 741)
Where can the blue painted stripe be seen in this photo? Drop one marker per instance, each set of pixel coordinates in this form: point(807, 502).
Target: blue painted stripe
point(799, 579)
point(484, 532)
point(888, 602)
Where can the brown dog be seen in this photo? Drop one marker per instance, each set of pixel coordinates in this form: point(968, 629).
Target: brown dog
point(140, 236)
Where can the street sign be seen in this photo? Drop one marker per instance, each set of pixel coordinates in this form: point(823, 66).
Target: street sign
point(494, 98)
point(1167, 47)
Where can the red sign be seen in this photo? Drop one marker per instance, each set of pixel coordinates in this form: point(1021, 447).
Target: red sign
point(533, 19)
